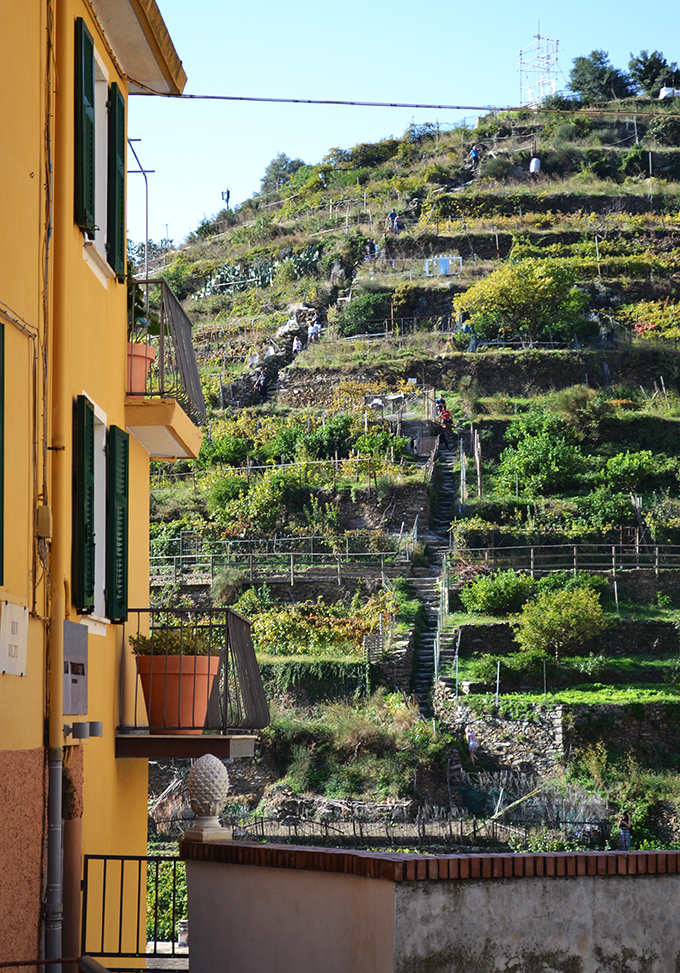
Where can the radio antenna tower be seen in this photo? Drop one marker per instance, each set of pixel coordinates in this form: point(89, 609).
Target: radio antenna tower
point(538, 69)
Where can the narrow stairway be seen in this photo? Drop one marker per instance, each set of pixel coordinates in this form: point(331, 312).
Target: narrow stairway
point(427, 585)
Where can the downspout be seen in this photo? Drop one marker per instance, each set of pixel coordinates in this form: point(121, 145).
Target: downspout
point(53, 910)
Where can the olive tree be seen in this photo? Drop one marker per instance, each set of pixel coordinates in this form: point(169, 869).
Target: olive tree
point(558, 623)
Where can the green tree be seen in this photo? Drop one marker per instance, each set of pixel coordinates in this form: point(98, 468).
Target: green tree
point(593, 78)
point(559, 622)
point(544, 455)
point(651, 72)
point(524, 298)
point(278, 172)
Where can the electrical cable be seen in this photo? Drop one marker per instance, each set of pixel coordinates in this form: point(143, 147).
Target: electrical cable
point(401, 104)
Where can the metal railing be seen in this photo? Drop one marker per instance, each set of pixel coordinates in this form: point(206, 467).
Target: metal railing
point(175, 370)
point(192, 544)
point(135, 907)
point(602, 558)
point(442, 615)
point(259, 566)
point(198, 671)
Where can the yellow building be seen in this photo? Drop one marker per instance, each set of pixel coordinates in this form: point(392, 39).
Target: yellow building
point(75, 455)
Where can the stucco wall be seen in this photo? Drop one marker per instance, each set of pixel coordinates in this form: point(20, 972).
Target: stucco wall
point(252, 920)
point(256, 908)
point(570, 925)
point(22, 807)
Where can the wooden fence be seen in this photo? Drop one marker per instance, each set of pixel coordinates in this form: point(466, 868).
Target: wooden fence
point(600, 558)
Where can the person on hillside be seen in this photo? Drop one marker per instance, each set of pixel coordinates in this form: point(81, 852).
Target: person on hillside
point(625, 825)
point(447, 427)
point(262, 386)
point(314, 330)
point(440, 404)
point(297, 344)
point(474, 157)
point(392, 217)
point(473, 745)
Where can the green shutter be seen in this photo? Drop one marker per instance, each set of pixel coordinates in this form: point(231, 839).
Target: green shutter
point(84, 540)
point(117, 525)
point(84, 129)
point(115, 244)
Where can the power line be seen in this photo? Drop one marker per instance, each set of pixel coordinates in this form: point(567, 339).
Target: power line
point(407, 104)
point(318, 101)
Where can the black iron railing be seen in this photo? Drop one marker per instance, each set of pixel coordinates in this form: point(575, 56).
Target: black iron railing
point(198, 671)
point(135, 907)
point(174, 371)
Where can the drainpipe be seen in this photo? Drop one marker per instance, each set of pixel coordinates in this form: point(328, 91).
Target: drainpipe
point(54, 907)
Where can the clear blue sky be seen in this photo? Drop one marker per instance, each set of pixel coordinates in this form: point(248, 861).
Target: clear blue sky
point(433, 52)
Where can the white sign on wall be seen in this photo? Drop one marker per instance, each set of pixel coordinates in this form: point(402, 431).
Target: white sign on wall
point(13, 639)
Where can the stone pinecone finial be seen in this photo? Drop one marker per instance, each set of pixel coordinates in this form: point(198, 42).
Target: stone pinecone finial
point(208, 785)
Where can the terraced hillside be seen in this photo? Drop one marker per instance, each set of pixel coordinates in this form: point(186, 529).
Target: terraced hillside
point(515, 568)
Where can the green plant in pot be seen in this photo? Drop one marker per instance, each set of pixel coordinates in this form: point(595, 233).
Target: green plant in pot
point(177, 669)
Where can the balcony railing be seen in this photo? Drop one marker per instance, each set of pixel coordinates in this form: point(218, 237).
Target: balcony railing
point(197, 682)
point(174, 372)
point(135, 908)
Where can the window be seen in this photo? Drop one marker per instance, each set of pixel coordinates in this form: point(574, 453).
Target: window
point(99, 154)
point(100, 536)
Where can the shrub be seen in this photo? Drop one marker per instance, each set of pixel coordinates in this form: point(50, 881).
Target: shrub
point(334, 436)
point(566, 581)
point(666, 130)
point(545, 457)
point(559, 622)
point(626, 471)
point(499, 168)
point(377, 442)
point(366, 314)
point(499, 593)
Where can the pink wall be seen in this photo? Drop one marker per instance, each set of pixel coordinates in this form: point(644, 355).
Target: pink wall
point(271, 920)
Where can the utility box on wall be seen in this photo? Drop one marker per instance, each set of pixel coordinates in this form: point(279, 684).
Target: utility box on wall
point(75, 669)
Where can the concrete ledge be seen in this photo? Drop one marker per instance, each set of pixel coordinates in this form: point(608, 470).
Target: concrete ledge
point(163, 428)
point(395, 867)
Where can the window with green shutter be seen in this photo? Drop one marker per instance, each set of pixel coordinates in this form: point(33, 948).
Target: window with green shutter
point(115, 245)
point(117, 524)
point(84, 130)
point(84, 531)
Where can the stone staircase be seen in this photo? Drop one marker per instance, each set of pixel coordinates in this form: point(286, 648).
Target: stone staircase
point(427, 586)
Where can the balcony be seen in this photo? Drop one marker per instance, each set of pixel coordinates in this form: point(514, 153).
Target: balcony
point(164, 403)
point(191, 685)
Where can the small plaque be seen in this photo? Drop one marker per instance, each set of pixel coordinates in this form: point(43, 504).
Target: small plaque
point(13, 639)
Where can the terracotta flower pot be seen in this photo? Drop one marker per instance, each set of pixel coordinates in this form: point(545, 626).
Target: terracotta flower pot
point(139, 361)
point(176, 690)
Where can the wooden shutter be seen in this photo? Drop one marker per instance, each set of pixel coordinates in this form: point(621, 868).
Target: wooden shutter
point(115, 244)
point(84, 130)
point(84, 539)
point(117, 525)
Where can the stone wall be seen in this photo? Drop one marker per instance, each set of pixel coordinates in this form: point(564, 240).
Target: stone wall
point(519, 373)
point(547, 735)
point(621, 638)
point(532, 745)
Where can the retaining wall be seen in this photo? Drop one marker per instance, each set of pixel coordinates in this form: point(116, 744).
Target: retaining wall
point(256, 907)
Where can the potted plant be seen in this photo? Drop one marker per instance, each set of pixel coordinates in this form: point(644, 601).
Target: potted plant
point(140, 354)
point(177, 668)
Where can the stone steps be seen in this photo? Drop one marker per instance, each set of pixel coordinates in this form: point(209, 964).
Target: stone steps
point(437, 539)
